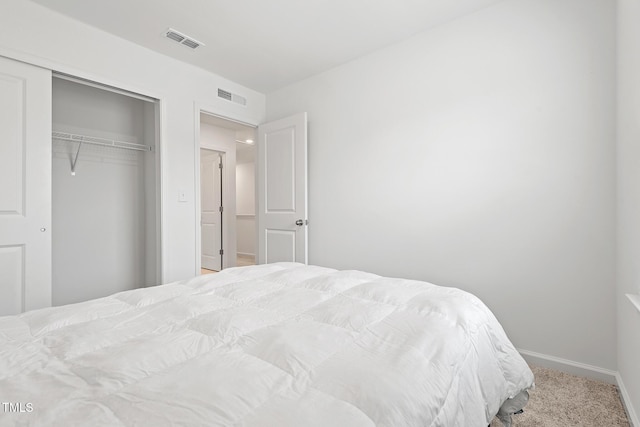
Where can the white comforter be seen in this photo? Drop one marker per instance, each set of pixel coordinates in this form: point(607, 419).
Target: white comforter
point(271, 345)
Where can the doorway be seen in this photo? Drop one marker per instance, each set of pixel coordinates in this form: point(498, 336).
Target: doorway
point(228, 196)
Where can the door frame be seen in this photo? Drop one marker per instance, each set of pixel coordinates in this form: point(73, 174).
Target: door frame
point(158, 153)
point(229, 235)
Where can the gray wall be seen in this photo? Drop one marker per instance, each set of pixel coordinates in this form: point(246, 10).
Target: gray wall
point(481, 155)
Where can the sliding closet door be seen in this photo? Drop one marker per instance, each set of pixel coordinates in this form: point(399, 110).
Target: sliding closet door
point(25, 187)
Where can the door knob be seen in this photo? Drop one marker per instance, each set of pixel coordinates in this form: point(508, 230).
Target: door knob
point(299, 222)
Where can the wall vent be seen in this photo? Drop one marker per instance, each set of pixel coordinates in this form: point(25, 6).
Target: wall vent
point(225, 94)
point(183, 39)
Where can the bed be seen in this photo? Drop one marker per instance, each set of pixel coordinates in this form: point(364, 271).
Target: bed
point(270, 345)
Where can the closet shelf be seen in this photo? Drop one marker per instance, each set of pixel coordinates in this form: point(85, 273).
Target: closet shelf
point(84, 139)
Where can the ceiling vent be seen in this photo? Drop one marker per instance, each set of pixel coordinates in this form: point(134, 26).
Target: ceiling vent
point(225, 94)
point(183, 39)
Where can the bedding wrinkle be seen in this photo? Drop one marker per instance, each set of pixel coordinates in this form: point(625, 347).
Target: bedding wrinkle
point(351, 403)
point(220, 394)
point(372, 392)
point(290, 407)
point(448, 397)
point(46, 320)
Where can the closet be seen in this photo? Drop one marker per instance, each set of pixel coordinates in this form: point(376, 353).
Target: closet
point(105, 191)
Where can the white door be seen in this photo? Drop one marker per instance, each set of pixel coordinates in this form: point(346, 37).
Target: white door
point(211, 203)
point(281, 172)
point(25, 187)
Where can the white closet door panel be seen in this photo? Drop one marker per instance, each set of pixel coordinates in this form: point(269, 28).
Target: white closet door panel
point(12, 135)
point(25, 187)
point(11, 272)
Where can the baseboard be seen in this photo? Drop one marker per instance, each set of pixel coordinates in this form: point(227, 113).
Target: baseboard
point(570, 367)
point(246, 255)
point(626, 402)
point(587, 371)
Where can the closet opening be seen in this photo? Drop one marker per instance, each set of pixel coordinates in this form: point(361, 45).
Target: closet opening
point(106, 191)
point(234, 143)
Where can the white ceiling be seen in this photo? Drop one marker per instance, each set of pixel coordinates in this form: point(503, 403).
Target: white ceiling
point(266, 44)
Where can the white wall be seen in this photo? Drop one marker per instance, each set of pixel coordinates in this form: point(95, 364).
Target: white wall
point(34, 34)
point(246, 188)
point(99, 216)
point(246, 201)
point(629, 197)
point(480, 155)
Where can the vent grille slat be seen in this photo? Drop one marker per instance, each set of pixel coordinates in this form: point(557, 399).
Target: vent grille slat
point(183, 39)
point(175, 36)
point(238, 99)
point(190, 43)
point(224, 94)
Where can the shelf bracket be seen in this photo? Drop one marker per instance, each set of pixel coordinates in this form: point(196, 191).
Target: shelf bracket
point(75, 160)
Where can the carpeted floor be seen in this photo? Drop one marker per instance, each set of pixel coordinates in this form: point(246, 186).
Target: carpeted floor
point(563, 400)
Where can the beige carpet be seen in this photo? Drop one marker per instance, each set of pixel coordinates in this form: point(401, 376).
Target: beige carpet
point(562, 400)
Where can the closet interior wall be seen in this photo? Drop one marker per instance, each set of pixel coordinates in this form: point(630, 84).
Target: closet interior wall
point(105, 217)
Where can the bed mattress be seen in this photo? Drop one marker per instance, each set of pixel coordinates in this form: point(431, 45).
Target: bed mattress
point(270, 345)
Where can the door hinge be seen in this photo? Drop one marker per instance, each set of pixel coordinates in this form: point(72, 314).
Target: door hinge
point(221, 251)
point(221, 209)
point(220, 165)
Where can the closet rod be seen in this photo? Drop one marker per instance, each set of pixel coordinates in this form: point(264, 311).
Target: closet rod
point(100, 141)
